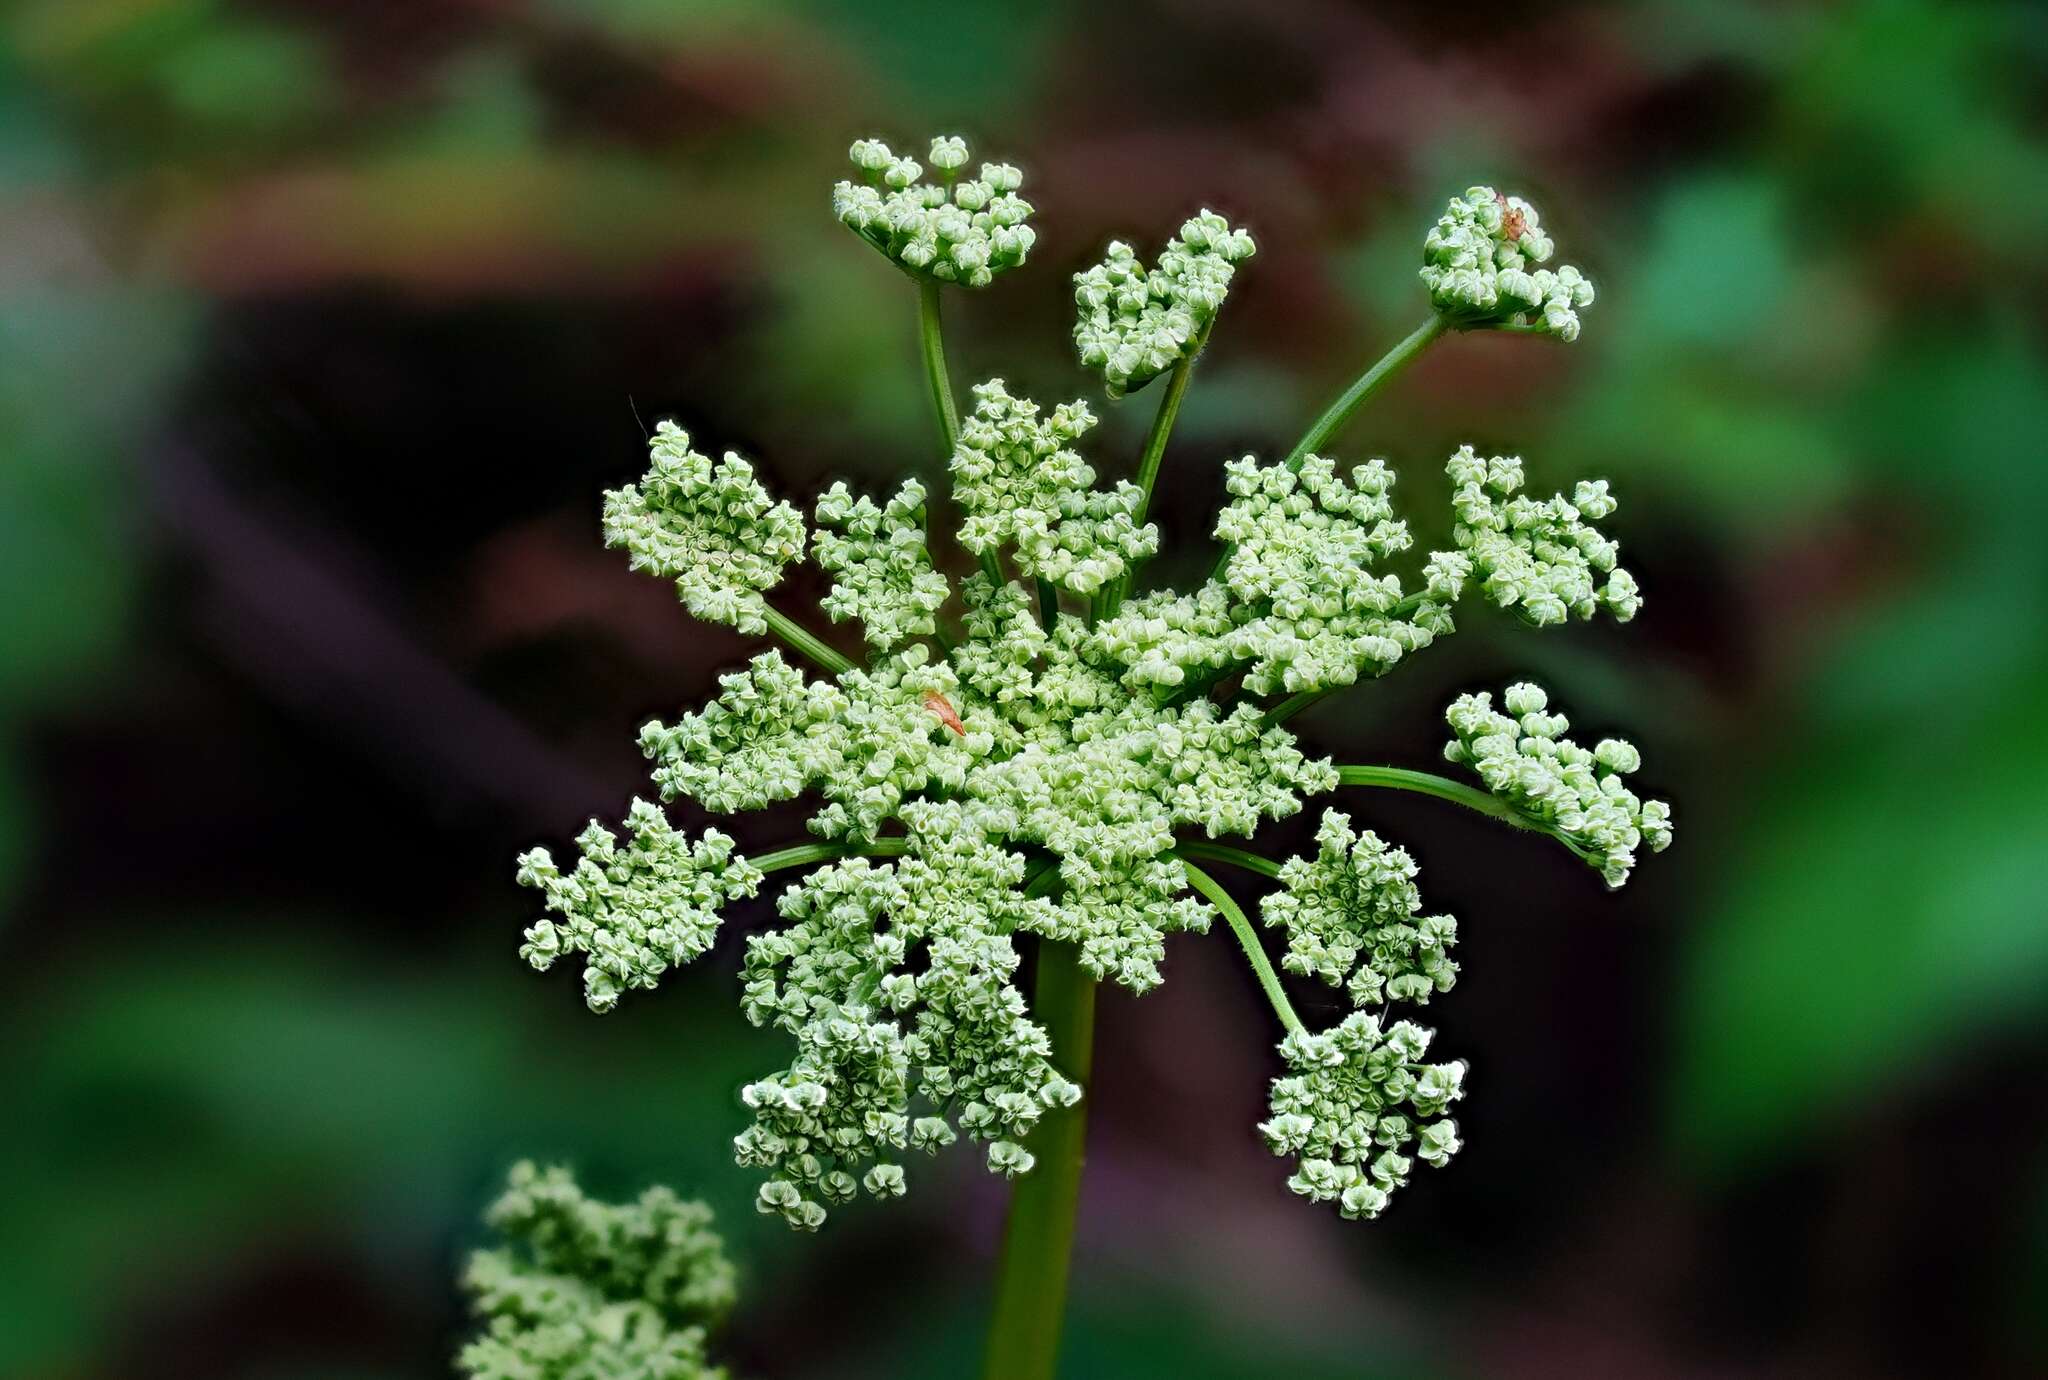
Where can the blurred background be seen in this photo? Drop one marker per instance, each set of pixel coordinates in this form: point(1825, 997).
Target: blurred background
point(323, 325)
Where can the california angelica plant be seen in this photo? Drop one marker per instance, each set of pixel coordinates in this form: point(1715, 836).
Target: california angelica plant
point(1039, 751)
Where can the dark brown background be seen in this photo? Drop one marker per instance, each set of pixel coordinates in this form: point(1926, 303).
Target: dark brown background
point(323, 326)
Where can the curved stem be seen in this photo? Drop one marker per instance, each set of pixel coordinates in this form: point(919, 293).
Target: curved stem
point(1364, 387)
point(931, 342)
point(1038, 1241)
point(932, 346)
point(1155, 450)
point(1247, 937)
point(1443, 788)
point(1294, 704)
point(1356, 396)
point(805, 641)
point(1162, 423)
point(1224, 853)
point(804, 854)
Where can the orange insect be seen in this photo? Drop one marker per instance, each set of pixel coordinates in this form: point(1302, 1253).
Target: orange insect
point(1512, 224)
point(942, 709)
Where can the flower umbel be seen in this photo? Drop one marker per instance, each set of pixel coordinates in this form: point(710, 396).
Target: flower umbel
point(1580, 795)
point(1032, 755)
point(1133, 323)
point(583, 1288)
point(955, 230)
point(1482, 265)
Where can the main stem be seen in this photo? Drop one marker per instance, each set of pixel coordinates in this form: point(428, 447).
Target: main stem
point(1031, 1283)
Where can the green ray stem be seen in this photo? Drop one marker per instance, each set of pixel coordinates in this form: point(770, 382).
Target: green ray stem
point(931, 342)
point(1155, 449)
point(1347, 403)
point(1241, 926)
point(804, 854)
point(1443, 788)
point(932, 345)
point(805, 641)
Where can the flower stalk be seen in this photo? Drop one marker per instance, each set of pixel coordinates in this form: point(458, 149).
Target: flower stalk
point(1038, 1237)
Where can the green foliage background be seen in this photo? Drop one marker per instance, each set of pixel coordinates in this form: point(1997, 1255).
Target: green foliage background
point(322, 326)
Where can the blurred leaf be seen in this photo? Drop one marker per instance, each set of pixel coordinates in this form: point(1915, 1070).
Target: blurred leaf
point(1885, 903)
point(1886, 908)
point(200, 1099)
point(953, 62)
point(79, 374)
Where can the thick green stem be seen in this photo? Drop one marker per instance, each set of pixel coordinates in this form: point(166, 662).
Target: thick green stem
point(805, 641)
point(1224, 853)
point(1241, 926)
point(1031, 1284)
point(1048, 605)
point(804, 854)
point(1356, 396)
point(1443, 788)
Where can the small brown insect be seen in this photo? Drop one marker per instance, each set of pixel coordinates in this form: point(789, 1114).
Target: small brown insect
point(1512, 224)
point(942, 709)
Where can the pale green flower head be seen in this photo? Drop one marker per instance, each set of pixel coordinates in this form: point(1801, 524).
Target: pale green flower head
point(950, 229)
point(1544, 560)
point(1351, 915)
point(1133, 323)
point(710, 528)
point(1482, 263)
point(584, 1288)
point(882, 574)
point(1580, 795)
point(1358, 1108)
point(637, 911)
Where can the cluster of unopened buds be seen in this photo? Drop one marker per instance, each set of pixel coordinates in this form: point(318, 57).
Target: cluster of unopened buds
point(1031, 748)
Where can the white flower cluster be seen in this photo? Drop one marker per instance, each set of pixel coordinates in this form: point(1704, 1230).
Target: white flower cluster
point(585, 1289)
point(1032, 770)
point(1543, 559)
point(866, 743)
point(1019, 481)
point(633, 912)
point(1351, 1111)
point(956, 231)
point(712, 529)
point(1133, 324)
point(882, 572)
point(895, 981)
point(1479, 263)
point(1306, 542)
point(1350, 918)
point(768, 735)
point(1582, 797)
